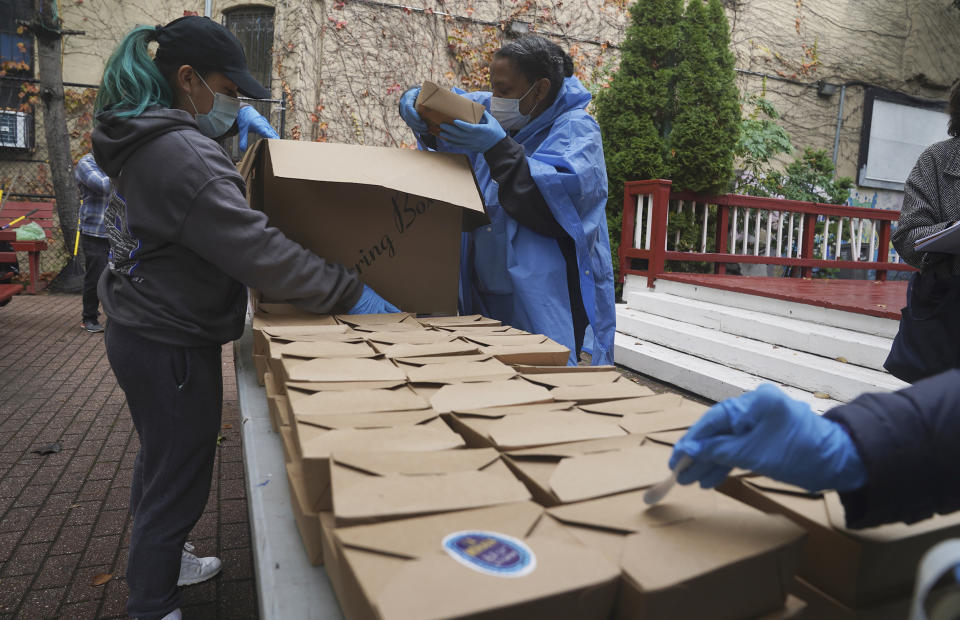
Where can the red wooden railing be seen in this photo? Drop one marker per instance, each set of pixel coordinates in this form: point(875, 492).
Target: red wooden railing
point(647, 206)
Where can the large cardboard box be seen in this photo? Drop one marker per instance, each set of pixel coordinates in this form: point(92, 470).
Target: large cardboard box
point(358, 401)
point(378, 486)
point(510, 561)
point(393, 215)
point(697, 554)
point(573, 472)
point(856, 567)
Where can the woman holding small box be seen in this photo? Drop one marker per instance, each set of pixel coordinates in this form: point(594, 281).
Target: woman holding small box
point(543, 263)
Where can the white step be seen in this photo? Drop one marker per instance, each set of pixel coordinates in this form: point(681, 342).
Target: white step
point(867, 324)
point(813, 373)
point(708, 379)
point(824, 340)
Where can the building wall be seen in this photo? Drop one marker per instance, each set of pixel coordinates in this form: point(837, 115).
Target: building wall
point(342, 66)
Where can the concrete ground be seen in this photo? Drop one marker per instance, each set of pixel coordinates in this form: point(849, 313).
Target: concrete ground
point(63, 516)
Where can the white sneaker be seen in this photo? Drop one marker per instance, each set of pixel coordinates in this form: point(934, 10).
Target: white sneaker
point(173, 615)
point(195, 570)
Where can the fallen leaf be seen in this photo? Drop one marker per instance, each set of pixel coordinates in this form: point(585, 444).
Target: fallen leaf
point(882, 306)
point(102, 578)
point(228, 426)
point(823, 395)
point(842, 359)
point(220, 439)
point(51, 449)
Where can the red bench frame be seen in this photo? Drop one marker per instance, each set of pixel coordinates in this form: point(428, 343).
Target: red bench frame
point(44, 217)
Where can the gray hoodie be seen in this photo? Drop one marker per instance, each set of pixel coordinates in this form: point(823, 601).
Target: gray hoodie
point(184, 242)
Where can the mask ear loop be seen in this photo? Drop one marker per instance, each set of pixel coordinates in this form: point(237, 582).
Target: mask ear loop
point(196, 111)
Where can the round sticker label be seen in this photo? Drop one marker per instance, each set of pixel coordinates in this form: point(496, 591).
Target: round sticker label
point(491, 553)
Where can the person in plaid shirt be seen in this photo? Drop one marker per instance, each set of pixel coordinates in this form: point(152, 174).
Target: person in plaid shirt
point(95, 191)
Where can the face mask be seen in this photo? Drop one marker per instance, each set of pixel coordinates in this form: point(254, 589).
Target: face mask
point(221, 117)
point(507, 111)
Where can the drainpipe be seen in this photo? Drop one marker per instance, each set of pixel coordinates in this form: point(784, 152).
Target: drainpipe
point(836, 137)
point(208, 8)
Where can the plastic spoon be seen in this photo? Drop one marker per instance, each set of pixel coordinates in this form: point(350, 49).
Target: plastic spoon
point(657, 492)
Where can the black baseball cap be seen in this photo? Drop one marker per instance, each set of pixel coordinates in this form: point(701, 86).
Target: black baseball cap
point(206, 45)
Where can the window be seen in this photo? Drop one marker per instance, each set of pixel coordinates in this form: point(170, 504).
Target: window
point(896, 129)
point(254, 27)
point(16, 61)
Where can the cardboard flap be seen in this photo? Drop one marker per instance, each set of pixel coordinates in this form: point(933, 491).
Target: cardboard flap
point(627, 512)
point(443, 359)
point(407, 325)
point(415, 537)
point(397, 495)
point(437, 586)
point(595, 475)
point(263, 319)
point(411, 438)
point(461, 372)
point(573, 379)
point(547, 353)
point(594, 393)
point(450, 179)
point(775, 486)
point(707, 543)
point(306, 332)
point(500, 412)
point(346, 369)
point(378, 419)
point(496, 340)
point(643, 423)
point(419, 463)
point(527, 369)
point(493, 394)
point(327, 348)
point(360, 401)
point(340, 386)
point(420, 336)
point(538, 429)
point(470, 320)
point(643, 404)
point(421, 350)
point(577, 448)
point(667, 438)
point(357, 320)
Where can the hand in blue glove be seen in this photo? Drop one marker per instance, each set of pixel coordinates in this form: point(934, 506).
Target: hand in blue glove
point(769, 433)
point(371, 303)
point(409, 113)
point(248, 119)
point(478, 138)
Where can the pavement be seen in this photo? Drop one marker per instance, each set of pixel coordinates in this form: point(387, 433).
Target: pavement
point(64, 518)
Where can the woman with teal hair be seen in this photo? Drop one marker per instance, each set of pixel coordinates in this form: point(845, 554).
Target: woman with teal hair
point(184, 245)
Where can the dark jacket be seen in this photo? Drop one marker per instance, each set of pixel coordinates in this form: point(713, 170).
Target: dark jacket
point(184, 242)
point(910, 444)
point(931, 201)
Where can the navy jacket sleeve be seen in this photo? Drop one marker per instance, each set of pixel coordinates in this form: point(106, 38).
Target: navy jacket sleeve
point(518, 192)
point(910, 445)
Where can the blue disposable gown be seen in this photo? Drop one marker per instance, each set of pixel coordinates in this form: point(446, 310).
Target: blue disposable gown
point(513, 274)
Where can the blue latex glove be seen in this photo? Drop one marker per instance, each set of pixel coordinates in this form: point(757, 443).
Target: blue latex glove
point(371, 303)
point(769, 433)
point(478, 138)
point(248, 119)
point(409, 114)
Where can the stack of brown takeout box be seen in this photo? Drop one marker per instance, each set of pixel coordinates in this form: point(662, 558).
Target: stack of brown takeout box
point(449, 466)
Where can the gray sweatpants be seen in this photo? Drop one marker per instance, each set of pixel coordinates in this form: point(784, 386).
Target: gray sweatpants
point(175, 395)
